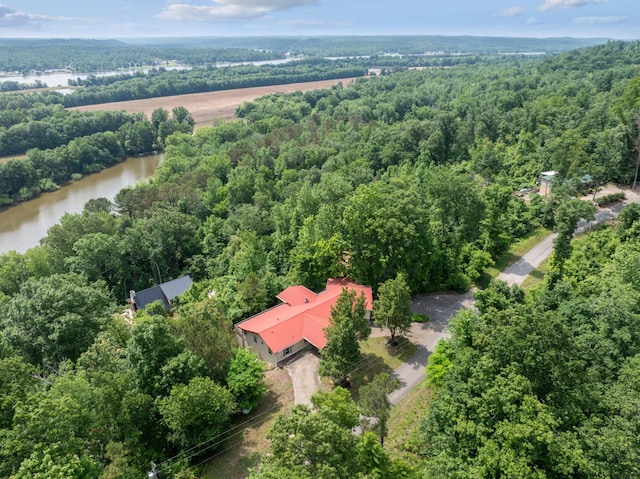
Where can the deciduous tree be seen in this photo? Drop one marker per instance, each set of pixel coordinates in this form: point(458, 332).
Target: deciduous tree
point(347, 326)
point(392, 309)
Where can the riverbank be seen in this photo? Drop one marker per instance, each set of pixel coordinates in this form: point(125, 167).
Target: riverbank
point(23, 225)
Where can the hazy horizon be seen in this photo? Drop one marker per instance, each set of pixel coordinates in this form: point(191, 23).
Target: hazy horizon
point(122, 19)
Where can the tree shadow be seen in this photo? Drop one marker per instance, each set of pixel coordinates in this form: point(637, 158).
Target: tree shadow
point(363, 372)
point(401, 348)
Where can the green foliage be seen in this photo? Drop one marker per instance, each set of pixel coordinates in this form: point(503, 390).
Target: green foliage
point(374, 401)
point(606, 200)
point(543, 387)
point(568, 214)
point(438, 364)
point(412, 173)
point(387, 232)
point(208, 333)
point(196, 411)
point(393, 306)
point(419, 318)
point(56, 318)
point(347, 326)
point(321, 444)
point(245, 379)
point(498, 296)
point(338, 406)
point(17, 381)
point(150, 348)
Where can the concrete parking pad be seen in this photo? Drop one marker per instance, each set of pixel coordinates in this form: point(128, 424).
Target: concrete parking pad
point(303, 369)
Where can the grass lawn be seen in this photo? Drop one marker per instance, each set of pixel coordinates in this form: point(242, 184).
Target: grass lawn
point(244, 450)
point(513, 254)
point(379, 356)
point(404, 421)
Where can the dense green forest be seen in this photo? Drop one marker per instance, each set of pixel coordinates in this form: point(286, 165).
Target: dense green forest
point(544, 385)
point(61, 145)
point(411, 173)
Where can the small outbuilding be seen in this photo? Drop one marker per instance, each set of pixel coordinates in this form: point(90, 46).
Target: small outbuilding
point(547, 178)
point(165, 292)
point(299, 321)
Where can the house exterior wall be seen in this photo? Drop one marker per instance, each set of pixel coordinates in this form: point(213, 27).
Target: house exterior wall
point(292, 349)
point(254, 341)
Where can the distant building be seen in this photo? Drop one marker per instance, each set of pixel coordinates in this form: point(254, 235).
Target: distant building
point(164, 292)
point(297, 322)
point(547, 178)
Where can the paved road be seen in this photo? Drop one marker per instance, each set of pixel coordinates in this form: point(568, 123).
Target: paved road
point(518, 271)
point(439, 308)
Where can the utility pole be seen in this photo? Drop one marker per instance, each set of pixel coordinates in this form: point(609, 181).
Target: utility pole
point(152, 473)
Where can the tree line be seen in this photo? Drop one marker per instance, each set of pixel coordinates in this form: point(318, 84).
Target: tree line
point(556, 371)
point(162, 82)
point(88, 143)
point(85, 56)
point(411, 175)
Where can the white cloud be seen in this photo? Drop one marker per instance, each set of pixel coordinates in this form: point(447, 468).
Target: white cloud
point(599, 20)
point(11, 18)
point(512, 12)
point(533, 21)
point(551, 4)
point(229, 9)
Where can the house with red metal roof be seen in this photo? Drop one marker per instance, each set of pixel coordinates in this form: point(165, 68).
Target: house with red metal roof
point(297, 322)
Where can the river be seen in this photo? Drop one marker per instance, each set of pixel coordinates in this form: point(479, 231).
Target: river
point(22, 226)
point(61, 78)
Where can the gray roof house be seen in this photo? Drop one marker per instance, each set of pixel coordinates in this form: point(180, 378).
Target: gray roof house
point(164, 292)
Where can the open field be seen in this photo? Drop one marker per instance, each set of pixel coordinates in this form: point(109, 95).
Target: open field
point(205, 107)
point(5, 159)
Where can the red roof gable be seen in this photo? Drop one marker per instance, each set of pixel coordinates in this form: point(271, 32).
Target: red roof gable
point(303, 315)
point(295, 295)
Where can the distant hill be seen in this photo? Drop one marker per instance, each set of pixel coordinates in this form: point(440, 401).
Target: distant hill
point(86, 55)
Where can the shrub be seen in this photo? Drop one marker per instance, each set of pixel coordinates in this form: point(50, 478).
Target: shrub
point(419, 318)
point(609, 199)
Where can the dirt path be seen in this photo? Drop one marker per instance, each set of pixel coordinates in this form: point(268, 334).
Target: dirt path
point(205, 107)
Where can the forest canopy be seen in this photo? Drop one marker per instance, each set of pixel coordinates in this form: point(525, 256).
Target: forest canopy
point(411, 174)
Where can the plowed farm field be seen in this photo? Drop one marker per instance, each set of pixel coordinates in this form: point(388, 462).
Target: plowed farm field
point(208, 106)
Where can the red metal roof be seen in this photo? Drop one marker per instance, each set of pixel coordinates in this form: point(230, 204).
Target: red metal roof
point(303, 315)
point(295, 295)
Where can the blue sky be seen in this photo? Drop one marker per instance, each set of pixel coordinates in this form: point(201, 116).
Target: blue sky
point(147, 18)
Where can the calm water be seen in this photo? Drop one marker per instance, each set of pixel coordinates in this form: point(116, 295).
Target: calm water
point(22, 226)
point(57, 79)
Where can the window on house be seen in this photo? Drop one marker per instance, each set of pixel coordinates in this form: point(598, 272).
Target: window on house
point(255, 338)
point(287, 351)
